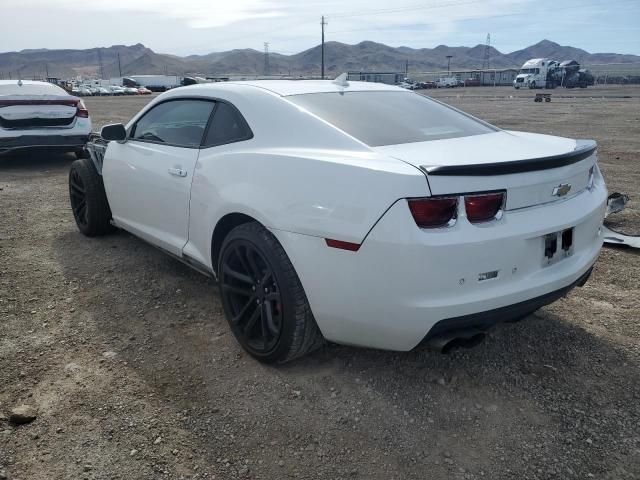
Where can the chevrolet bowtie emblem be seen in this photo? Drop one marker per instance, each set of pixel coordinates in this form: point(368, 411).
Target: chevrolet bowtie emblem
point(561, 190)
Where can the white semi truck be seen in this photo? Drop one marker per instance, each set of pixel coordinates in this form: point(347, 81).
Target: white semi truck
point(547, 73)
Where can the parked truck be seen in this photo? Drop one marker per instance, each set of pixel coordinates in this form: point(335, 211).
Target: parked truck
point(547, 73)
point(447, 82)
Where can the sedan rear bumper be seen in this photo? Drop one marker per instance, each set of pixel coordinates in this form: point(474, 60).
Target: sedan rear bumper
point(62, 142)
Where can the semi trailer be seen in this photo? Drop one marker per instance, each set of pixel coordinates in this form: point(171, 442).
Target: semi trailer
point(547, 73)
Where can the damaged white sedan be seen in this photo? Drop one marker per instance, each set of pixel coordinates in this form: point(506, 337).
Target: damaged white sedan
point(41, 115)
point(359, 213)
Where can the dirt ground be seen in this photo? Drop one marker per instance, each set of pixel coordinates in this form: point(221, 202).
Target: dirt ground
point(127, 357)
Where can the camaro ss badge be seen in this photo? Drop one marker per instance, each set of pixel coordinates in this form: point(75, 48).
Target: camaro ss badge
point(561, 190)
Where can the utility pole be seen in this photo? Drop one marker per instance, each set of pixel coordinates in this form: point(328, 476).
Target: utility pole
point(322, 24)
point(406, 68)
point(266, 59)
point(46, 70)
point(119, 66)
point(100, 63)
point(449, 64)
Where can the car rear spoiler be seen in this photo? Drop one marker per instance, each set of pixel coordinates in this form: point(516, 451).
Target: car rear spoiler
point(13, 100)
point(585, 149)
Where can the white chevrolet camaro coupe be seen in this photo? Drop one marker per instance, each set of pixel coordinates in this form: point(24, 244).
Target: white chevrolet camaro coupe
point(359, 213)
point(41, 115)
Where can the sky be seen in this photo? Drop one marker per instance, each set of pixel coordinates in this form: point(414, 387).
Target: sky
point(201, 26)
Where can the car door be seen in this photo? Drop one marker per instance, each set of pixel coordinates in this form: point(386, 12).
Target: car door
point(148, 177)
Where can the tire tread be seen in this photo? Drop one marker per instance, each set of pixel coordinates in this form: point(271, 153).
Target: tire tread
point(99, 213)
point(306, 335)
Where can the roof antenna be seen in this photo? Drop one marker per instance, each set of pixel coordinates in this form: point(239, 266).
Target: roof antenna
point(341, 80)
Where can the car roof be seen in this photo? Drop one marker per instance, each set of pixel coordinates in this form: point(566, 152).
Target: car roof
point(29, 87)
point(300, 87)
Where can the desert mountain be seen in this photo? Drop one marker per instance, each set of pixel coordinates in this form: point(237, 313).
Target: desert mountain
point(339, 57)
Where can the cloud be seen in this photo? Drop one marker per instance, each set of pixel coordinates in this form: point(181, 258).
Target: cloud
point(196, 13)
point(202, 26)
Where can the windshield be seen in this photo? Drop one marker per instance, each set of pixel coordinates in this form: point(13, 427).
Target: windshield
point(530, 70)
point(390, 118)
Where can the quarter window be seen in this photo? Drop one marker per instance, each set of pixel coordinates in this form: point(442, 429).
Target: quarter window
point(227, 126)
point(176, 122)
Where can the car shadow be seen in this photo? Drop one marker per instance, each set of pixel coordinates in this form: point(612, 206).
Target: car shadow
point(35, 160)
point(539, 382)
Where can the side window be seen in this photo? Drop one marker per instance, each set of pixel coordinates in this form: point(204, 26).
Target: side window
point(227, 126)
point(176, 122)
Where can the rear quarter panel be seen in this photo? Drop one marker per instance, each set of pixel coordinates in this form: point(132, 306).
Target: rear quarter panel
point(322, 193)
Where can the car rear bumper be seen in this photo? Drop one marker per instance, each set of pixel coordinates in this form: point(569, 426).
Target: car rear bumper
point(485, 320)
point(404, 281)
point(63, 142)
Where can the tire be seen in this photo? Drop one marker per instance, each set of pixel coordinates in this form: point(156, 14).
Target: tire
point(88, 199)
point(81, 153)
point(262, 297)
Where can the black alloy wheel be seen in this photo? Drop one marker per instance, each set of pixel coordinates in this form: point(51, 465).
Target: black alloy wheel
point(263, 298)
point(252, 295)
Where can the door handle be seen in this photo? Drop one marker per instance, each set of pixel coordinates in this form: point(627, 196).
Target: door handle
point(178, 172)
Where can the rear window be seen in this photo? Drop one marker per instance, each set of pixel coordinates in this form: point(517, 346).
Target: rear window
point(390, 118)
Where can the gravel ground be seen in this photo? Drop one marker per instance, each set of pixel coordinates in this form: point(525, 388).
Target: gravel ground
point(126, 357)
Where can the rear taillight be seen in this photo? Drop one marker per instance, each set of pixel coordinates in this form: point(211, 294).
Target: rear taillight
point(82, 111)
point(483, 207)
point(434, 212)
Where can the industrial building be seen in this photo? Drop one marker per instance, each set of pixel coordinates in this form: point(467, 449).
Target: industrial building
point(390, 78)
point(496, 77)
point(485, 77)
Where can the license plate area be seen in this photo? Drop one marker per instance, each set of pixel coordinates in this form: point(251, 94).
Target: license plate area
point(557, 246)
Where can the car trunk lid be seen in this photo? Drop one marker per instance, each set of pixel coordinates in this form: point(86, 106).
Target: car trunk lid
point(23, 112)
point(534, 169)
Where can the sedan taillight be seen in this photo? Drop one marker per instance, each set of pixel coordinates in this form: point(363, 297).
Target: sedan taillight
point(82, 111)
point(483, 207)
point(434, 212)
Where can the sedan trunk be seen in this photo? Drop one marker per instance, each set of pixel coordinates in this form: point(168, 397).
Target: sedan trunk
point(18, 112)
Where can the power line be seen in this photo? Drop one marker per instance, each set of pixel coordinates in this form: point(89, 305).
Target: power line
point(528, 12)
point(385, 11)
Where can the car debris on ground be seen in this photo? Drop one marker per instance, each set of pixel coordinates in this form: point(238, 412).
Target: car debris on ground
point(616, 202)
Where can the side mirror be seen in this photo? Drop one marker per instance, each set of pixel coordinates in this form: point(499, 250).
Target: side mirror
point(114, 132)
